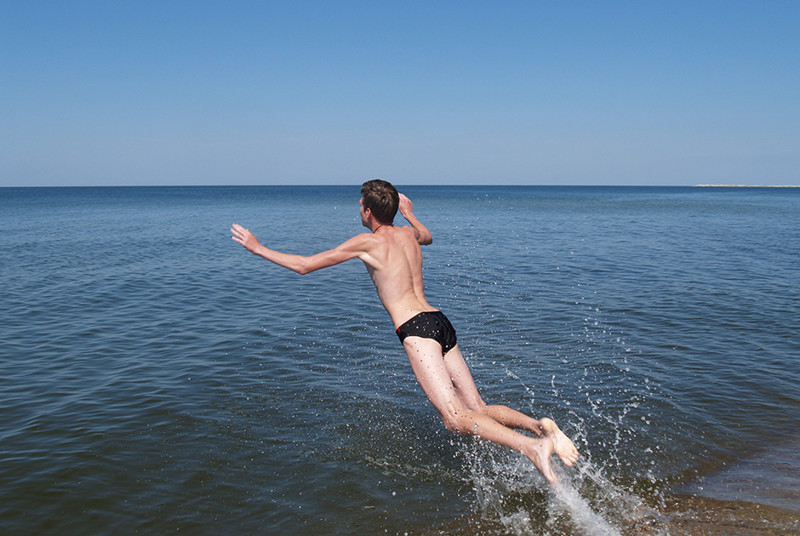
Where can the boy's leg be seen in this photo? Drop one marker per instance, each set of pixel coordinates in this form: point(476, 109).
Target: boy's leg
point(432, 373)
point(465, 389)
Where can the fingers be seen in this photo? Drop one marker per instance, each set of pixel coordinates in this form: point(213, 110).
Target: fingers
point(404, 205)
point(239, 233)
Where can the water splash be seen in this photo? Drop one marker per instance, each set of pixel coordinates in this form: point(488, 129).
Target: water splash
point(566, 499)
point(514, 497)
point(613, 410)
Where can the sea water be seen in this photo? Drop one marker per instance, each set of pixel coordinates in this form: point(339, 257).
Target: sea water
point(156, 378)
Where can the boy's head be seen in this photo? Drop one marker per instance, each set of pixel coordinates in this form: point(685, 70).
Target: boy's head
point(381, 198)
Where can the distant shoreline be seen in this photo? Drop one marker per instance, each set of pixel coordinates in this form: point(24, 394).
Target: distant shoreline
point(746, 186)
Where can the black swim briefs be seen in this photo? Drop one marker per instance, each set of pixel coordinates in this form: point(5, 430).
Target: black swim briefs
point(430, 325)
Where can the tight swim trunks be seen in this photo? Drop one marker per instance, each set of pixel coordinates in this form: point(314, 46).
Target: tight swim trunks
point(430, 325)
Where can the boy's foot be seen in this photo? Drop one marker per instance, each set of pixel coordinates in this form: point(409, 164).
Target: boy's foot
point(562, 445)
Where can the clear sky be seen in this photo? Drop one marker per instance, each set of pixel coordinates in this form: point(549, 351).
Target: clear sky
point(429, 92)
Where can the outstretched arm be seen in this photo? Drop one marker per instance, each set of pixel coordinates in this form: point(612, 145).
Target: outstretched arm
point(424, 236)
point(301, 264)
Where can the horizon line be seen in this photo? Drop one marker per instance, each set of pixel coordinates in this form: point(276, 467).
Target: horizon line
point(309, 185)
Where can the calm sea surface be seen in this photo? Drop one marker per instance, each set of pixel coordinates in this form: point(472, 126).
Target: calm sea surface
point(156, 378)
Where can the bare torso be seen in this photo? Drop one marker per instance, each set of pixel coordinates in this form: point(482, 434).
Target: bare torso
point(394, 261)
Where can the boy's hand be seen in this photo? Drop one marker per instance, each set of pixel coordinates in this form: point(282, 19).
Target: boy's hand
point(245, 238)
point(405, 206)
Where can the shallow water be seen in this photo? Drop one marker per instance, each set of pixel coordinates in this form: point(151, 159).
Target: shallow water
point(158, 378)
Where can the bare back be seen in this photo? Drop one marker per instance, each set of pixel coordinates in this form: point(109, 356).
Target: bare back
point(393, 258)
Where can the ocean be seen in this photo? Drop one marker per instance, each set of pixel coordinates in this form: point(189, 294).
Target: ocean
point(155, 378)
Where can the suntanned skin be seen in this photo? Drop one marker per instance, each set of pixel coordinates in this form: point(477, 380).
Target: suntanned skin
point(393, 258)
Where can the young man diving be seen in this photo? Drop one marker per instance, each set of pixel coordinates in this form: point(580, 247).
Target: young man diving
point(393, 258)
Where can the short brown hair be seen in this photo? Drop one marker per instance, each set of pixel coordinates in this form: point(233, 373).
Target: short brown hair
point(381, 198)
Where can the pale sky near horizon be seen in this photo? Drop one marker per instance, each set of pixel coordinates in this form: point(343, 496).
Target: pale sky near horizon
point(561, 93)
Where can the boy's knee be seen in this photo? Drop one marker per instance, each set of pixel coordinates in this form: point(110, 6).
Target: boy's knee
point(458, 422)
point(452, 426)
point(478, 405)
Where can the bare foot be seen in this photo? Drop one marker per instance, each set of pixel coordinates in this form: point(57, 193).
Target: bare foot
point(539, 453)
point(562, 445)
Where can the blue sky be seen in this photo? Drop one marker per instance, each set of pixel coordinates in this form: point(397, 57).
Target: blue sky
point(224, 93)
